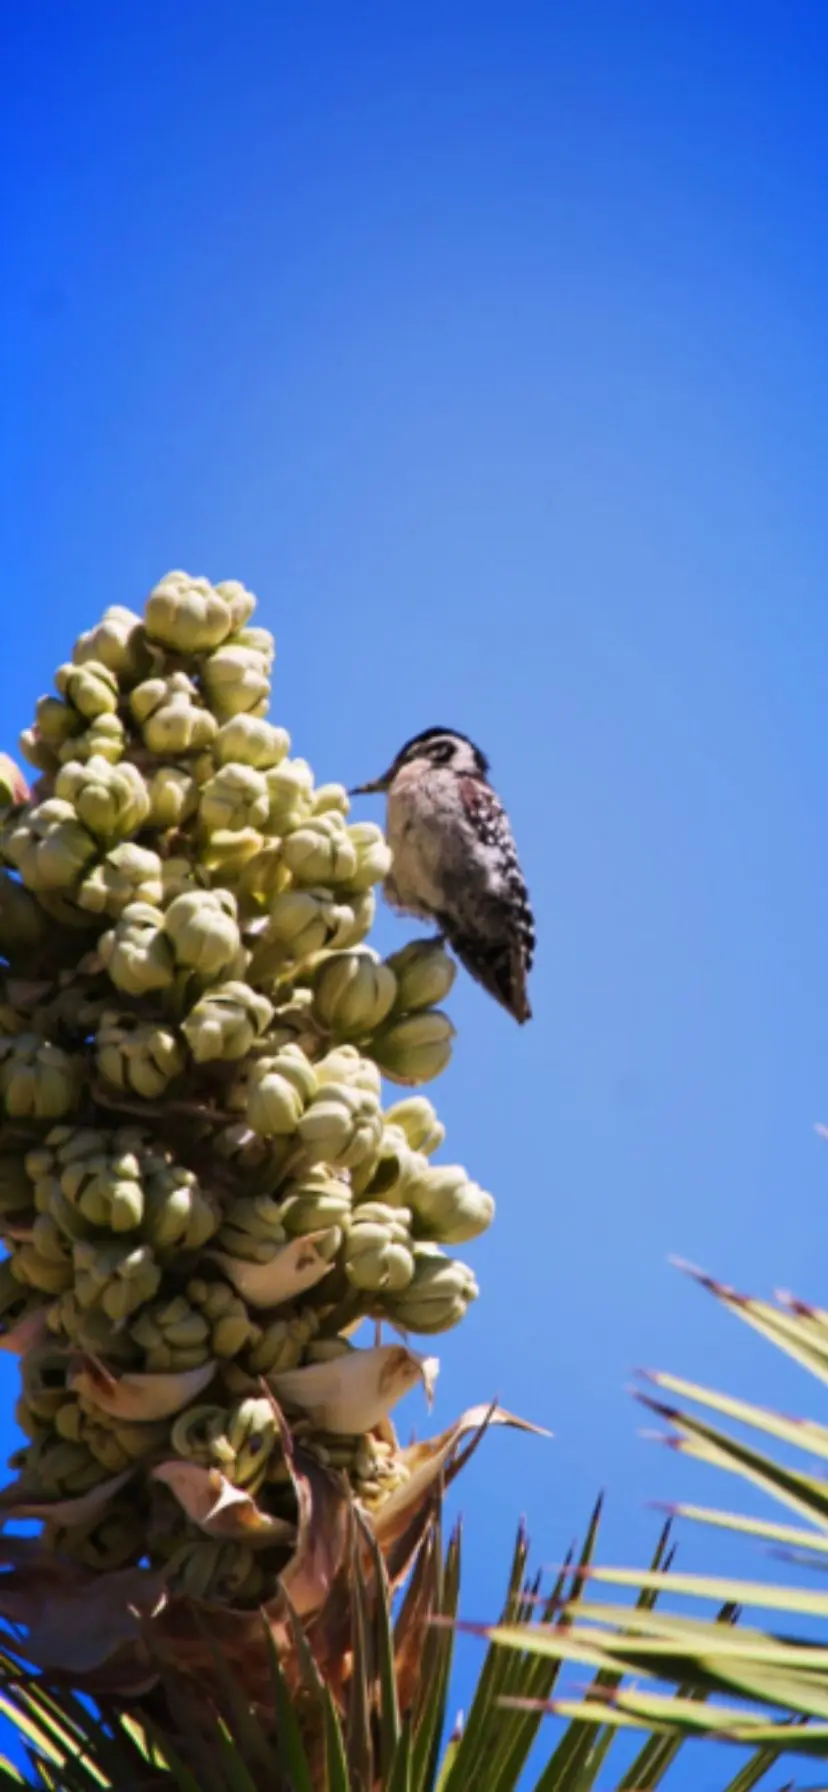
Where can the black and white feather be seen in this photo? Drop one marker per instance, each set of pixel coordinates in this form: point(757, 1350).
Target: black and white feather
point(455, 861)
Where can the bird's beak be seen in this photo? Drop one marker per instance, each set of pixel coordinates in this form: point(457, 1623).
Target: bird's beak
point(378, 784)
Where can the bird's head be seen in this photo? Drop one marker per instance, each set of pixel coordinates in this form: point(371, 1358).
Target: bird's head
point(442, 747)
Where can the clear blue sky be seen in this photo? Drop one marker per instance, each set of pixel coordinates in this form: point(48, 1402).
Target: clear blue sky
point(487, 343)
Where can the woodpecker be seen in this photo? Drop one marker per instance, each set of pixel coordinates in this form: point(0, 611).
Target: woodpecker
point(455, 862)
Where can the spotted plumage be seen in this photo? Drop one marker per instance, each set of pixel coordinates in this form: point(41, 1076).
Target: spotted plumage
point(455, 862)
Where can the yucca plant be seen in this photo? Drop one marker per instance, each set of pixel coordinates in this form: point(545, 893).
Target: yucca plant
point(202, 1196)
point(764, 1687)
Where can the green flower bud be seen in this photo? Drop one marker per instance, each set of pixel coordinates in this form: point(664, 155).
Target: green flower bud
point(256, 640)
point(201, 926)
point(253, 1434)
point(173, 797)
point(436, 1298)
point(290, 784)
point(277, 1091)
point(413, 1049)
point(136, 952)
point(373, 854)
point(237, 797)
point(187, 615)
point(378, 1248)
point(319, 851)
point(110, 801)
point(44, 1381)
point(117, 641)
point(396, 1169)
point(48, 846)
point(342, 1126)
point(353, 992)
point(328, 798)
point(118, 1279)
point(56, 722)
point(227, 852)
point(105, 1187)
point(447, 1207)
point(226, 1022)
point(282, 1343)
point(37, 753)
point(345, 1064)
point(235, 681)
point(249, 740)
point(22, 921)
point(128, 874)
point(92, 689)
point(231, 1328)
point(142, 1057)
point(171, 717)
point(44, 1261)
point(299, 924)
point(313, 1203)
point(180, 1215)
point(55, 1470)
point(424, 973)
point(105, 738)
point(253, 1229)
point(172, 1336)
point(240, 602)
point(38, 1081)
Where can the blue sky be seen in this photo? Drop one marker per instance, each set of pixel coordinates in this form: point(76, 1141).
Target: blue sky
point(487, 344)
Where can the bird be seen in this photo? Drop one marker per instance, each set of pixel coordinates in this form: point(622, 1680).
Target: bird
point(454, 860)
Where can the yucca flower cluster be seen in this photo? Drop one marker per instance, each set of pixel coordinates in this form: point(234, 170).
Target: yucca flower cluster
point(201, 1193)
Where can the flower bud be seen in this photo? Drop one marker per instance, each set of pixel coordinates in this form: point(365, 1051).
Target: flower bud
point(253, 1229)
point(278, 1090)
point(353, 992)
point(299, 924)
point(187, 615)
point(226, 1022)
point(105, 1187)
point(118, 642)
point(35, 750)
point(171, 717)
point(110, 801)
point(314, 1203)
point(173, 797)
point(22, 921)
point(127, 874)
point(372, 852)
point(319, 851)
point(329, 798)
point(396, 1168)
point(56, 722)
point(345, 1064)
point(180, 1215)
point(201, 926)
point(240, 602)
point(418, 1120)
point(117, 1278)
point(438, 1296)
point(38, 1081)
point(249, 740)
point(341, 1126)
point(48, 846)
point(231, 1328)
point(141, 1057)
point(235, 681)
point(413, 1049)
point(105, 738)
point(282, 1343)
point(237, 797)
point(92, 689)
point(447, 1207)
point(136, 952)
point(290, 787)
point(172, 1335)
point(424, 973)
point(15, 1184)
point(378, 1248)
point(227, 853)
